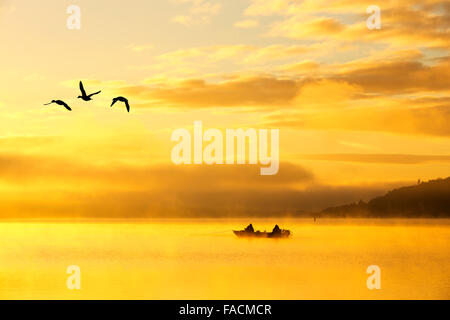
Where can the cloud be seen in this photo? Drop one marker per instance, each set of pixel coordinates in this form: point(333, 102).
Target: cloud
point(400, 77)
point(189, 20)
point(294, 7)
point(419, 120)
point(140, 47)
point(397, 91)
point(238, 54)
point(16, 168)
point(299, 68)
point(77, 189)
point(378, 158)
point(207, 204)
point(386, 72)
point(379, 94)
point(338, 94)
point(246, 91)
point(268, 7)
point(207, 8)
point(208, 53)
point(424, 23)
point(310, 28)
point(272, 53)
point(200, 12)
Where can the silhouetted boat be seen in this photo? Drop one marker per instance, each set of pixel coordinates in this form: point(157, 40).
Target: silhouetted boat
point(250, 232)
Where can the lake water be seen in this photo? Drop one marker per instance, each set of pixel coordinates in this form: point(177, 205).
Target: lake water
point(192, 259)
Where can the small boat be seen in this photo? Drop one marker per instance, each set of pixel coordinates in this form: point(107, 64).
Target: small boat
point(250, 232)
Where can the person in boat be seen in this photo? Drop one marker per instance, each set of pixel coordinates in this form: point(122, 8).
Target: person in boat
point(276, 230)
point(249, 228)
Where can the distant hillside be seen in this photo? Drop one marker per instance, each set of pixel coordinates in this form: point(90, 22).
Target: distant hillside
point(426, 199)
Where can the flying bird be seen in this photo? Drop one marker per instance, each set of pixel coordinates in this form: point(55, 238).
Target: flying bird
point(84, 96)
point(61, 103)
point(122, 99)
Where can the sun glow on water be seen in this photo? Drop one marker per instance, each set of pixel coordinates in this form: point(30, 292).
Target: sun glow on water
point(203, 260)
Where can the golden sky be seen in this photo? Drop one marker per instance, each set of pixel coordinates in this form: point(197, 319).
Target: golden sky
point(359, 111)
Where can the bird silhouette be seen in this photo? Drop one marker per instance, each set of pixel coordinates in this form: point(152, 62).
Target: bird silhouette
point(122, 99)
point(61, 103)
point(84, 96)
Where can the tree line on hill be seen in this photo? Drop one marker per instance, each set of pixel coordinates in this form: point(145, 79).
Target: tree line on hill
point(426, 199)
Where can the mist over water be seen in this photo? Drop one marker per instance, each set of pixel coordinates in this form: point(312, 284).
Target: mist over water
point(202, 259)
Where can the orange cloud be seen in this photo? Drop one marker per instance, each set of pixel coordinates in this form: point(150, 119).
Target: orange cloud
point(253, 91)
point(75, 188)
point(311, 28)
point(123, 191)
point(344, 87)
point(239, 54)
point(200, 12)
point(426, 120)
point(424, 23)
point(300, 68)
point(378, 158)
point(399, 77)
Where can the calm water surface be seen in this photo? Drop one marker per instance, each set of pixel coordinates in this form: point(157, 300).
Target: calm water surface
point(192, 259)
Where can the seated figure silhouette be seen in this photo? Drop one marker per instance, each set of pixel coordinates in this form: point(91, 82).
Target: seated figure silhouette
point(249, 231)
point(276, 230)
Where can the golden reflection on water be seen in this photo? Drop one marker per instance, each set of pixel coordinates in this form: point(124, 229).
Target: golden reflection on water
point(191, 259)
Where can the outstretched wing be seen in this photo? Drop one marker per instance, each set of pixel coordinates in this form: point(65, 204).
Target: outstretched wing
point(114, 101)
point(66, 105)
point(94, 93)
point(127, 105)
point(82, 89)
point(46, 104)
